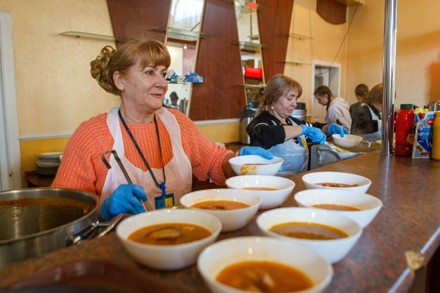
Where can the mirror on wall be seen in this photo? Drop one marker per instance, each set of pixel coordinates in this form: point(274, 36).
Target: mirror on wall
point(250, 49)
point(183, 33)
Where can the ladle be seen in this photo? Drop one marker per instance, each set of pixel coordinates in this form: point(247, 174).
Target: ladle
point(121, 166)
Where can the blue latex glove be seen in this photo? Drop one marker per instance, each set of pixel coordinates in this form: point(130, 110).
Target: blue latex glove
point(337, 129)
point(258, 151)
point(125, 199)
point(314, 134)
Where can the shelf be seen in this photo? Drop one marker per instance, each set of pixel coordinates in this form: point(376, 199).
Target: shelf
point(297, 63)
point(255, 86)
point(91, 36)
point(351, 2)
point(180, 34)
point(300, 37)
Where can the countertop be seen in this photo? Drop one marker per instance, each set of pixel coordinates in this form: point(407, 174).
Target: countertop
point(409, 221)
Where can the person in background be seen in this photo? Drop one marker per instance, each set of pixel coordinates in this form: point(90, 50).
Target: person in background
point(274, 129)
point(160, 148)
point(174, 98)
point(367, 119)
point(361, 92)
point(337, 108)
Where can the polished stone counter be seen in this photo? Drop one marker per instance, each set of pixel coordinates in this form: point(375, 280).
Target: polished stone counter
point(408, 222)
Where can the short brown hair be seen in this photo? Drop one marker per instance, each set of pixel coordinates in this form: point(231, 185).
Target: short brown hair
point(278, 86)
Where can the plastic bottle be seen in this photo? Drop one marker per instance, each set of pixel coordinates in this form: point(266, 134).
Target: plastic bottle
point(436, 138)
point(405, 131)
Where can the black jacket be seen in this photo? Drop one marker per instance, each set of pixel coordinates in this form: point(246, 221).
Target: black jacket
point(265, 130)
point(362, 121)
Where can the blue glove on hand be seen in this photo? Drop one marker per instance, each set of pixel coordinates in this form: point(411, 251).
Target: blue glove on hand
point(258, 151)
point(337, 129)
point(314, 134)
point(125, 199)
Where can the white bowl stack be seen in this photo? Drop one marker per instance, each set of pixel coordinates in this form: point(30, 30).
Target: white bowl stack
point(48, 163)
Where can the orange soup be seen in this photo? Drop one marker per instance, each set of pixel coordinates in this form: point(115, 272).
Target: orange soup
point(264, 276)
point(169, 234)
point(305, 230)
point(260, 188)
point(220, 205)
point(331, 184)
point(335, 207)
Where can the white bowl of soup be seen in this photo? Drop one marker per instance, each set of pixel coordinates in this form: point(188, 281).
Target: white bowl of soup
point(360, 207)
point(263, 264)
point(168, 239)
point(347, 141)
point(336, 180)
point(255, 165)
point(235, 208)
point(273, 190)
point(327, 232)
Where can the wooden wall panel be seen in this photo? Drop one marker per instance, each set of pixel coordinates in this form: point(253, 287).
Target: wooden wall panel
point(135, 19)
point(221, 95)
point(274, 18)
point(332, 11)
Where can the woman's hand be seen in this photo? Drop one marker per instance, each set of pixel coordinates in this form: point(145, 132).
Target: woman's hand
point(125, 199)
point(334, 128)
point(314, 134)
point(258, 151)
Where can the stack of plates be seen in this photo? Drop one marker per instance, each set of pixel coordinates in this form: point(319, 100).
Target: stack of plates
point(47, 163)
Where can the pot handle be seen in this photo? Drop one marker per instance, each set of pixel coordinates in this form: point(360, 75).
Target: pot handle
point(90, 231)
point(110, 225)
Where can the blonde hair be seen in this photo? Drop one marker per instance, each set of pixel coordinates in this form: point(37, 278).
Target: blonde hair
point(278, 86)
point(109, 60)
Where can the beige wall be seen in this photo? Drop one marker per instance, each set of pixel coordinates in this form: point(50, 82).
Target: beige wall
point(361, 56)
point(322, 46)
point(54, 89)
point(418, 50)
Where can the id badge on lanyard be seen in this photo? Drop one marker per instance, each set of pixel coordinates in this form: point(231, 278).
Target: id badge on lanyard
point(164, 200)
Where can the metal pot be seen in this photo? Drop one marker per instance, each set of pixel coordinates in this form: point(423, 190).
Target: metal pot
point(39, 220)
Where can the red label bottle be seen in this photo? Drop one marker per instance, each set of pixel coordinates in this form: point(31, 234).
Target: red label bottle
point(405, 131)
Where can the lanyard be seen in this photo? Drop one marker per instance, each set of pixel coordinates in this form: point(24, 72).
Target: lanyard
point(162, 184)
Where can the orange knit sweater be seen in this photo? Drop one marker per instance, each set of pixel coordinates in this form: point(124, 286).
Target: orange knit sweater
point(82, 167)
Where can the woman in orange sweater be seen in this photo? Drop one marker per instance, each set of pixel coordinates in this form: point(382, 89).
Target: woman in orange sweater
point(160, 148)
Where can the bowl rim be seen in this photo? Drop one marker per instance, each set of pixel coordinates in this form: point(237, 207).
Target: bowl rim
point(253, 239)
point(235, 190)
point(357, 234)
point(348, 137)
point(269, 162)
point(289, 183)
point(378, 204)
point(353, 175)
point(213, 236)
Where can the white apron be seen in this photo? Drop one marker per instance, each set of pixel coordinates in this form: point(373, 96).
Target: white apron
point(373, 137)
point(178, 171)
point(295, 156)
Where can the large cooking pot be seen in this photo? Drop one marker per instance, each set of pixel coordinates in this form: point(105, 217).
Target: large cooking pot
point(35, 221)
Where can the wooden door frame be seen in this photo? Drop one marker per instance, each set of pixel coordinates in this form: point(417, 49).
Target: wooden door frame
point(10, 162)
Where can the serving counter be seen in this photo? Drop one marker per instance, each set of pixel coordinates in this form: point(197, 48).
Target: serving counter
point(404, 235)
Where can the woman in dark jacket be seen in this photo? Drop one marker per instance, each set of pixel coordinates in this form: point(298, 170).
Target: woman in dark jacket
point(284, 136)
